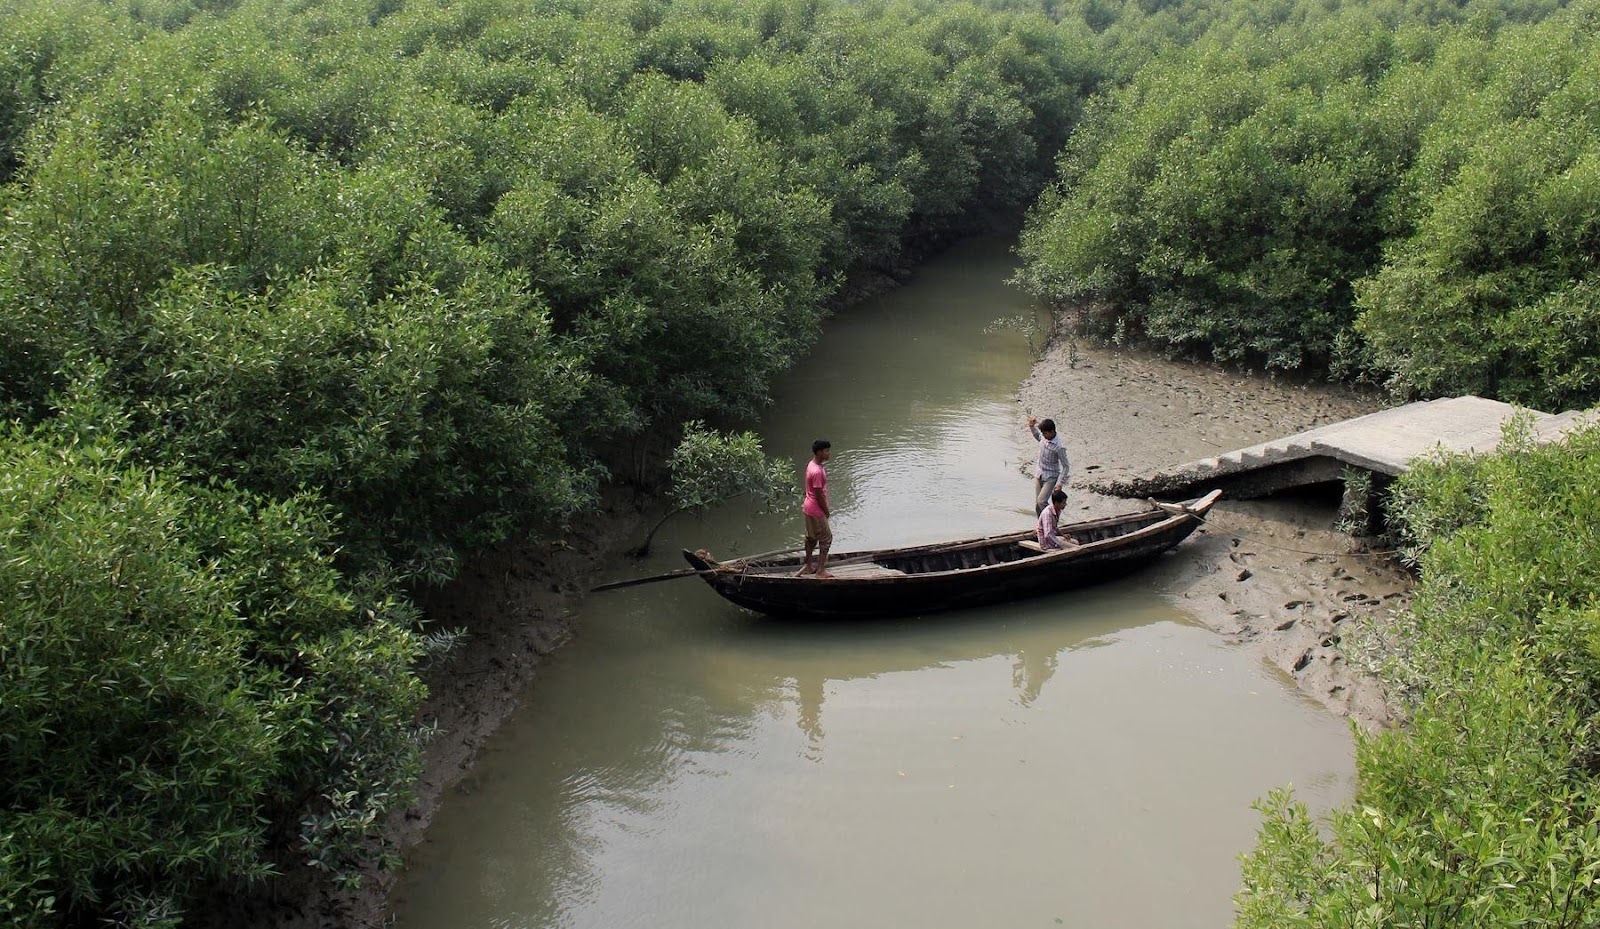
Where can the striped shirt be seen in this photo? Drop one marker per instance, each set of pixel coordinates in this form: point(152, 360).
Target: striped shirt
point(1049, 538)
point(1053, 463)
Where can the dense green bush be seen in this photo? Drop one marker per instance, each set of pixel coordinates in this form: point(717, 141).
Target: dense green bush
point(1401, 192)
point(1222, 204)
point(1495, 287)
point(51, 52)
point(400, 254)
point(230, 279)
point(302, 302)
point(178, 665)
point(1485, 809)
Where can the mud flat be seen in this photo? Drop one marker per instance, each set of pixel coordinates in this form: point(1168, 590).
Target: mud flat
point(1274, 575)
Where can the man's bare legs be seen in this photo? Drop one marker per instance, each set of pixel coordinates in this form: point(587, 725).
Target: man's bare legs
point(820, 569)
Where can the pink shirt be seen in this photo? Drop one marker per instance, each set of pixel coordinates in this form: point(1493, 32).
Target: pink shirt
point(1048, 537)
point(816, 485)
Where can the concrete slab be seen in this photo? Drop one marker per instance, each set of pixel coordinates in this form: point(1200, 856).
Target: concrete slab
point(1384, 443)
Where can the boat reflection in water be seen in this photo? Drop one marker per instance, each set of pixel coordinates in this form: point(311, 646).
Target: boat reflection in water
point(797, 663)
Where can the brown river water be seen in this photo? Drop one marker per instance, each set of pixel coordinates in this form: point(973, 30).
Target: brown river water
point(1088, 760)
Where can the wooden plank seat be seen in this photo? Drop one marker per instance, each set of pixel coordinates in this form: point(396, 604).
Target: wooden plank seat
point(1032, 546)
point(853, 569)
point(864, 569)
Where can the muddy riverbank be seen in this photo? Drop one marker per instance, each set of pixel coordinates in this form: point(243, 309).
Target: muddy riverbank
point(1274, 575)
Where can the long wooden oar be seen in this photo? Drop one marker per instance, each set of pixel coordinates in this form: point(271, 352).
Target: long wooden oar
point(684, 572)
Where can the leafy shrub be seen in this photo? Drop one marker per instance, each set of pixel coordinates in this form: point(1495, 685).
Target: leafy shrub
point(302, 303)
point(710, 467)
point(1395, 192)
point(1222, 204)
point(176, 665)
point(1494, 289)
point(1485, 809)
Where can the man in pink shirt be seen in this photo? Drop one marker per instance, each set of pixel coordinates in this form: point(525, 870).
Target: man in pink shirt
point(1049, 538)
point(819, 536)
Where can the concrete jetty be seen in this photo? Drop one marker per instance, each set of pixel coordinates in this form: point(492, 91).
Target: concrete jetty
point(1381, 444)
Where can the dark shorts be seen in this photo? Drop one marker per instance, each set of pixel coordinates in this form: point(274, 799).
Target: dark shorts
point(818, 530)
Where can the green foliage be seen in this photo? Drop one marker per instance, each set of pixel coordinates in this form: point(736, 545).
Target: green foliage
point(1485, 809)
point(176, 664)
point(1402, 192)
point(51, 51)
point(1223, 201)
point(1495, 288)
point(709, 467)
point(130, 739)
point(303, 302)
point(285, 324)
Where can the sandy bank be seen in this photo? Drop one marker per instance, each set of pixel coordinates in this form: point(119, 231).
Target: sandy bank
point(1272, 575)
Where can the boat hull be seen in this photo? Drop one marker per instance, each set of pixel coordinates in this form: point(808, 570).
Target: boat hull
point(980, 572)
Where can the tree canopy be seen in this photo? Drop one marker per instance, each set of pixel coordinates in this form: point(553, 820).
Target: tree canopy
point(1401, 192)
point(305, 302)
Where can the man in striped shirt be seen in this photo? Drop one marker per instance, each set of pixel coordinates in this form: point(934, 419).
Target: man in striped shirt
point(1054, 468)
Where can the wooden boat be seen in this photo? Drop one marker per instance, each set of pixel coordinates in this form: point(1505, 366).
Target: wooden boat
point(953, 575)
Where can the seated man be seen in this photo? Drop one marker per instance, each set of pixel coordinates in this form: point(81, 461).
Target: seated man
point(1049, 539)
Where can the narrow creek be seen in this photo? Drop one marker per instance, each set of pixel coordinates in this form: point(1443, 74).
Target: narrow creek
point(1083, 761)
